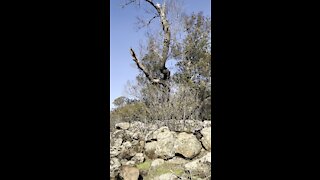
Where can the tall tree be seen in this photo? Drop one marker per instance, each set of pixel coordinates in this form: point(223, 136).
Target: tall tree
point(187, 93)
point(194, 61)
point(150, 72)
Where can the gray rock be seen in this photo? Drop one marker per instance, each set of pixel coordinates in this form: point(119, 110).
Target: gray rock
point(114, 167)
point(118, 134)
point(206, 139)
point(200, 167)
point(114, 151)
point(127, 151)
point(149, 136)
point(123, 125)
point(130, 163)
point(117, 142)
point(123, 161)
point(129, 172)
point(138, 158)
point(127, 144)
point(137, 135)
point(187, 145)
point(167, 176)
point(150, 149)
point(163, 131)
point(165, 143)
point(206, 124)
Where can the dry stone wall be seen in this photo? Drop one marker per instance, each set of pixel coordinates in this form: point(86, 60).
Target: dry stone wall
point(187, 143)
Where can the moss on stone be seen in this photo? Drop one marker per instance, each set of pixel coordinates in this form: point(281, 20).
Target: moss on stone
point(145, 165)
point(161, 169)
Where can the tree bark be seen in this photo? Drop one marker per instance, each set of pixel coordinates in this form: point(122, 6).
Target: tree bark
point(165, 51)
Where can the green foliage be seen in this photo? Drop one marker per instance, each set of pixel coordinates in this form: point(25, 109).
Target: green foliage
point(131, 111)
point(120, 101)
point(194, 62)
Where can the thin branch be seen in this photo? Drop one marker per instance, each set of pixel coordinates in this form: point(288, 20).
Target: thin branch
point(156, 7)
point(145, 24)
point(149, 22)
point(129, 2)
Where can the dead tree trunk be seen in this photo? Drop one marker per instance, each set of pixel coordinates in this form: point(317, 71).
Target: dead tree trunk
point(161, 81)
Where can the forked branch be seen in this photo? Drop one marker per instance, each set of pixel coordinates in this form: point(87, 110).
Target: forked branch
point(145, 71)
point(165, 50)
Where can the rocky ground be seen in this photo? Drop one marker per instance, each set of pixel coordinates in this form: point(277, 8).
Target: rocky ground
point(165, 150)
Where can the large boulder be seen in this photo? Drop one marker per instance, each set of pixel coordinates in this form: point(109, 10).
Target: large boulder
point(200, 167)
point(150, 149)
point(165, 143)
point(165, 149)
point(187, 145)
point(126, 151)
point(206, 139)
point(129, 172)
point(162, 145)
point(123, 125)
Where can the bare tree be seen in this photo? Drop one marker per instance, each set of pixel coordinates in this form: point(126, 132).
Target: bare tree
point(161, 12)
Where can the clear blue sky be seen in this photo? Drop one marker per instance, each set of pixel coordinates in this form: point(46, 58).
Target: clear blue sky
point(124, 35)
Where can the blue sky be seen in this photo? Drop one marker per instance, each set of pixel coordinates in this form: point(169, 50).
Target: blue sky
point(124, 35)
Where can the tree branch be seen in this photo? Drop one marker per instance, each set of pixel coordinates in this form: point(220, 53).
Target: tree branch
point(145, 24)
point(165, 50)
point(144, 70)
point(152, 19)
point(129, 2)
point(167, 38)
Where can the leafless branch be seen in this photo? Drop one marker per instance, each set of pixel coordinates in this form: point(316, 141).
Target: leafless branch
point(152, 19)
point(144, 70)
point(161, 12)
point(127, 3)
point(144, 23)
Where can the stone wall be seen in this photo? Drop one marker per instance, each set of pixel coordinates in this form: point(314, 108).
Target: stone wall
point(187, 143)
